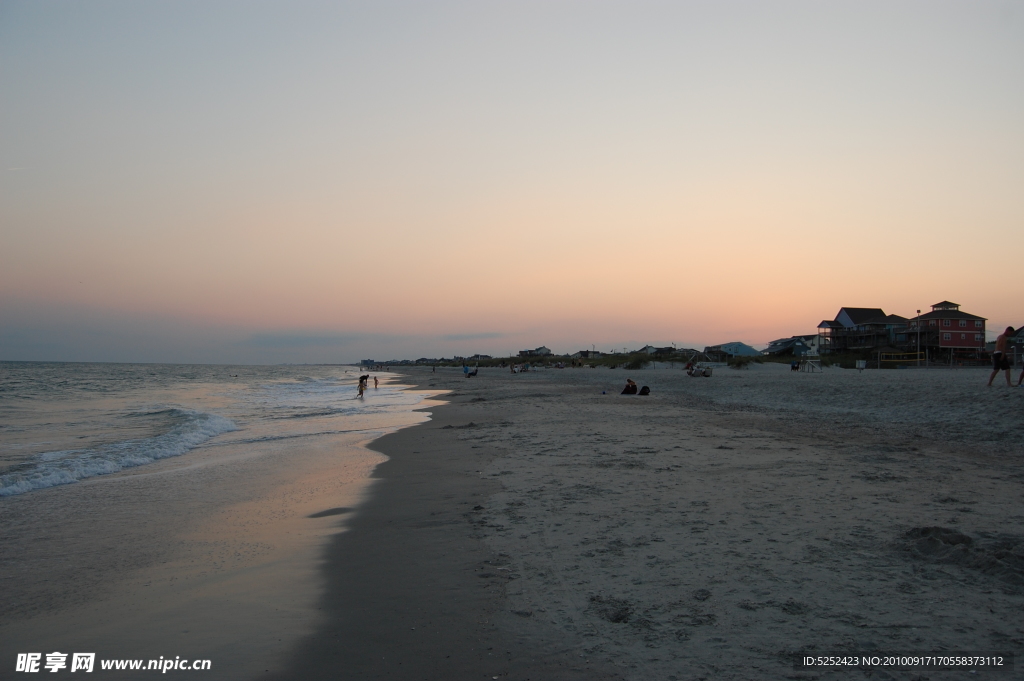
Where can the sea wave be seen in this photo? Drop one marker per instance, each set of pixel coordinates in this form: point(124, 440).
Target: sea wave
point(189, 430)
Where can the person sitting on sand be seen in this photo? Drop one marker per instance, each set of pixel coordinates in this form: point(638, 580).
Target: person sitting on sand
point(1000, 362)
point(644, 391)
point(630, 388)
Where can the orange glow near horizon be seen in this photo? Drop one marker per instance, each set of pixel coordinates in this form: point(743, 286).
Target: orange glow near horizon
point(681, 174)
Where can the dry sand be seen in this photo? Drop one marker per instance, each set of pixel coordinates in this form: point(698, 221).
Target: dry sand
point(721, 525)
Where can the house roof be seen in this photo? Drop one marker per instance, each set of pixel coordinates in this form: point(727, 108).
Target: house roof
point(945, 304)
point(888, 319)
point(733, 348)
point(859, 315)
point(950, 314)
point(783, 344)
point(790, 339)
point(828, 323)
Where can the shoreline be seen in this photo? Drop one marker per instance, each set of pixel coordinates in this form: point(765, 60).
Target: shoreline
point(210, 555)
point(412, 589)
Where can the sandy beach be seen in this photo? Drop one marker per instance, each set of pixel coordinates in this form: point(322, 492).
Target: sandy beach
point(543, 526)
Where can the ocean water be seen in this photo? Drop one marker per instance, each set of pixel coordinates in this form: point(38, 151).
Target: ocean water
point(61, 423)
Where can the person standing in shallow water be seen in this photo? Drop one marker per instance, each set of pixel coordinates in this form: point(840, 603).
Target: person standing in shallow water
point(374, 382)
point(1000, 362)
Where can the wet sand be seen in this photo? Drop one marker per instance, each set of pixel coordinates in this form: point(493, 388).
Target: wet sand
point(212, 555)
point(537, 528)
point(414, 592)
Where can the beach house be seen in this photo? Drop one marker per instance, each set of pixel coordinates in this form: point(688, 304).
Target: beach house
point(859, 328)
point(798, 346)
point(725, 351)
point(1016, 347)
point(947, 327)
point(542, 351)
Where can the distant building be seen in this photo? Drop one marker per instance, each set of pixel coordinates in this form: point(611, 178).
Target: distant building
point(478, 357)
point(366, 362)
point(797, 346)
point(947, 327)
point(852, 316)
point(725, 351)
point(651, 350)
point(586, 354)
point(859, 329)
point(537, 352)
point(1017, 340)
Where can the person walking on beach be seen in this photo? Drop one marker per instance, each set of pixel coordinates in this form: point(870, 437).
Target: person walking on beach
point(1000, 362)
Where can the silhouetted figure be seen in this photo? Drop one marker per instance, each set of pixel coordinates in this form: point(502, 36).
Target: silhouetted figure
point(1000, 362)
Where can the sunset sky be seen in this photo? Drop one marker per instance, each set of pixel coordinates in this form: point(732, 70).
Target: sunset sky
point(291, 182)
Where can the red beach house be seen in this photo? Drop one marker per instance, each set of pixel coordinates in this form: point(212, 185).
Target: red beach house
point(947, 327)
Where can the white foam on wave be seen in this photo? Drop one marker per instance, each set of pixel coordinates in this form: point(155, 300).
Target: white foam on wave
point(63, 467)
